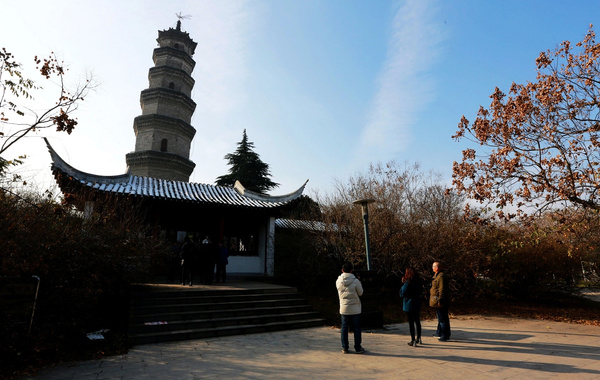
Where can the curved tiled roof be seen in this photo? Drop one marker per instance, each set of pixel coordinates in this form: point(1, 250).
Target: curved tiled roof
point(156, 188)
point(308, 225)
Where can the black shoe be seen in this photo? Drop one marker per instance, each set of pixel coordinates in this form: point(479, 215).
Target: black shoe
point(419, 340)
point(360, 350)
point(412, 343)
point(443, 339)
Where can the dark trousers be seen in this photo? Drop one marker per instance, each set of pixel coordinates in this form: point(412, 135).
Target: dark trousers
point(207, 272)
point(443, 327)
point(414, 319)
point(355, 321)
point(221, 272)
point(187, 276)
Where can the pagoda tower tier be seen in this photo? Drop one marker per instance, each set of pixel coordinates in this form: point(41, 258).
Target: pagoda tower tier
point(163, 131)
point(167, 102)
point(161, 165)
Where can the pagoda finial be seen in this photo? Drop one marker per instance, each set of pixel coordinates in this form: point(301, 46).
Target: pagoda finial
point(180, 17)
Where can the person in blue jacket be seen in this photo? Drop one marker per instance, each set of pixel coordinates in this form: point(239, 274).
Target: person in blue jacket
point(411, 293)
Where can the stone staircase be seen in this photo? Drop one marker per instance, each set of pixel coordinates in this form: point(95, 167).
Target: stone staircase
point(180, 313)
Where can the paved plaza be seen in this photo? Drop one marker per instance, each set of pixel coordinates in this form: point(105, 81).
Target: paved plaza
point(480, 348)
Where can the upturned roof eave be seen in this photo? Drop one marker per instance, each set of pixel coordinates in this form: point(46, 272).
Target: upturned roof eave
point(58, 162)
point(194, 192)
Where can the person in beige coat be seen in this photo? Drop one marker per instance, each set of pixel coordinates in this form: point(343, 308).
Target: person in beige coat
point(349, 291)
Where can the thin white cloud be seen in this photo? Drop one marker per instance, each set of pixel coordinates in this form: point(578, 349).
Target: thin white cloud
point(223, 30)
point(404, 86)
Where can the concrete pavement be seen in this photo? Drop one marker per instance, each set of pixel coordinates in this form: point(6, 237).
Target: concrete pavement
point(480, 348)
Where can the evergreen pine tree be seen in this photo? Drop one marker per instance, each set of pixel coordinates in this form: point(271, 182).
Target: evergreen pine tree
point(247, 167)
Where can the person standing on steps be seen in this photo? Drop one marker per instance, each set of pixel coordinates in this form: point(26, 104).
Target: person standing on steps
point(222, 262)
point(349, 290)
point(187, 264)
point(439, 298)
point(208, 259)
point(411, 293)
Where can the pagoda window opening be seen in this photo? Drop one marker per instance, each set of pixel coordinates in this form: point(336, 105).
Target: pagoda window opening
point(176, 46)
point(172, 86)
point(163, 145)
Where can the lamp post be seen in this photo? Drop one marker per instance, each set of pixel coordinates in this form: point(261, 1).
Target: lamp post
point(364, 204)
point(371, 316)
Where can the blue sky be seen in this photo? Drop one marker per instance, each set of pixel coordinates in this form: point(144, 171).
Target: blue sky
point(323, 88)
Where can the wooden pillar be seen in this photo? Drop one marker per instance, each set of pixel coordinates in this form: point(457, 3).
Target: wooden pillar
point(270, 248)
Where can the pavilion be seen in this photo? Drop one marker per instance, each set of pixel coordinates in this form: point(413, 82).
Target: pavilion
point(158, 171)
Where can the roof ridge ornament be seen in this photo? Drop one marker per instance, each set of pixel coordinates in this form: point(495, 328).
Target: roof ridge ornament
point(268, 198)
point(179, 18)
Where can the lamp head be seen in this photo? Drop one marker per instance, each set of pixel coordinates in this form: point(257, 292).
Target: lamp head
point(364, 204)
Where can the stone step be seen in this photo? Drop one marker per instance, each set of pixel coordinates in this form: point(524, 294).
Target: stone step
point(170, 314)
point(169, 336)
point(142, 291)
point(208, 314)
point(196, 324)
point(157, 309)
point(175, 298)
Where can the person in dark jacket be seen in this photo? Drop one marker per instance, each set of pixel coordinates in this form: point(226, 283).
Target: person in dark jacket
point(440, 299)
point(187, 261)
point(222, 262)
point(209, 253)
point(411, 293)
